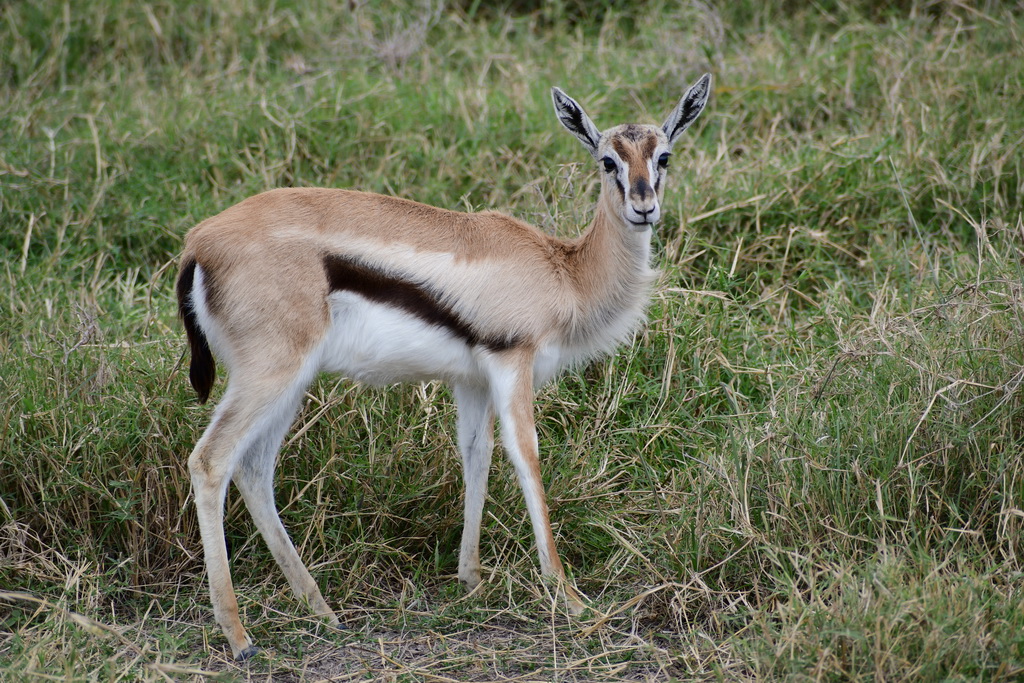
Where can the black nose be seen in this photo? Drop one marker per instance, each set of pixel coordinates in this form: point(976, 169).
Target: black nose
point(641, 189)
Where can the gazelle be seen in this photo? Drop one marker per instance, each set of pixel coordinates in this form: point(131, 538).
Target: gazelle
point(292, 282)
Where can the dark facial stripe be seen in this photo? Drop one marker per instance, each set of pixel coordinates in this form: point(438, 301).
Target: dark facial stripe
point(346, 274)
point(618, 184)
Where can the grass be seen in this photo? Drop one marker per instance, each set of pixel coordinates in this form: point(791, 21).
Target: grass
point(807, 467)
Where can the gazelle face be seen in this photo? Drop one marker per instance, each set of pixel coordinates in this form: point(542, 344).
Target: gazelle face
point(634, 161)
point(633, 158)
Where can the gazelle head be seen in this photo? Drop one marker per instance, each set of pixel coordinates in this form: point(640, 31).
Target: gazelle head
point(633, 157)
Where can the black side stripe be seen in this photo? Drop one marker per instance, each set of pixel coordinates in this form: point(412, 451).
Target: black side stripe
point(348, 274)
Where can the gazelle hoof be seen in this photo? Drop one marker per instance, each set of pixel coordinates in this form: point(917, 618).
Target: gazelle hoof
point(469, 580)
point(247, 653)
point(574, 603)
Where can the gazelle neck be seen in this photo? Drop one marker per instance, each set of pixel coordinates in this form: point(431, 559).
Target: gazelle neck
point(609, 266)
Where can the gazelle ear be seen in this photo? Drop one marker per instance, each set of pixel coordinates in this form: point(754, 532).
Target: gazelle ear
point(575, 120)
point(688, 109)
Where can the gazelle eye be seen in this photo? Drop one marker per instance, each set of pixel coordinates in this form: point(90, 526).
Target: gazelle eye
point(663, 160)
point(609, 165)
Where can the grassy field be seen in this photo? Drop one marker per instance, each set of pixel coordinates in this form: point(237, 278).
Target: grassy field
point(807, 467)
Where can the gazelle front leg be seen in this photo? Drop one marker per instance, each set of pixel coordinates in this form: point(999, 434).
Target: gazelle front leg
point(511, 377)
point(476, 443)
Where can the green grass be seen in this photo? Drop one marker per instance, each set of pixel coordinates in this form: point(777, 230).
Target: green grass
point(808, 466)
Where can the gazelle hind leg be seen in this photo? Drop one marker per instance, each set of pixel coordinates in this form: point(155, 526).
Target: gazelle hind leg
point(512, 392)
point(254, 478)
point(238, 430)
point(211, 466)
point(476, 443)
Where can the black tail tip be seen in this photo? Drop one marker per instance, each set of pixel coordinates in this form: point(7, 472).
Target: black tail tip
point(203, 369)
point(202, 374)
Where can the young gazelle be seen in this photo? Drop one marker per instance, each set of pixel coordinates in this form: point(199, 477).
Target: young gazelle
point(291, 282)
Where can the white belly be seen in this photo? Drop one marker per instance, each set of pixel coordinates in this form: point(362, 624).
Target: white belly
point(380, 344)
